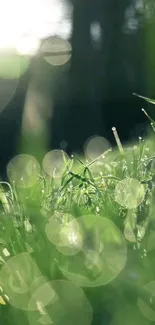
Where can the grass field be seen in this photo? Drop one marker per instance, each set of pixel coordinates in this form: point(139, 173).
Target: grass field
point(77, 238)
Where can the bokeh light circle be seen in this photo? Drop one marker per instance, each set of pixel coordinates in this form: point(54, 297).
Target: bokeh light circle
point(146, 301)
point(16, 278)
point(70, 239)
point(96, 146)
point(55, 224)
point(59, 302)
point(64, 233)
point(129, 193)
point(102, 255)
point(54, 164)
point(23, 170)
point(60, 50)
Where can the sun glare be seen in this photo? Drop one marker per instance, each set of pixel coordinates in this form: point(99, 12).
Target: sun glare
point(24, 22)
point(27, 45)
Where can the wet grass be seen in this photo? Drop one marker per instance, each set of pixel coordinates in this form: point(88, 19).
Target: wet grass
point(89, 188)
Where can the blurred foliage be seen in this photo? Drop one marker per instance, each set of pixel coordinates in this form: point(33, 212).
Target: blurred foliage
point(66, 221)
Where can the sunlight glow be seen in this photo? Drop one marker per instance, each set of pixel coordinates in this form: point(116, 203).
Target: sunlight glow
point(27, 45)
point(41, 18)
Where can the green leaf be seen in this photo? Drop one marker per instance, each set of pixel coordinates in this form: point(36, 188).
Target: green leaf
point(149, 100)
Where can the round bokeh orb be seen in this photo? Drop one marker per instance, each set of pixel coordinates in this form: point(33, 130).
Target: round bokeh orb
point(59, 302)
point(59, 49)
point(146, 301)
point(55, 224)
point(16, 278)
point(95, 147)
point(102, 254)
point(64, 233)
point(70, 239)
point(23, 170)
point(54, 163)
point(129, 193)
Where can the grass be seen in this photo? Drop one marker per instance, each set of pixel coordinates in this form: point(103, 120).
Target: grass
point(93, 227)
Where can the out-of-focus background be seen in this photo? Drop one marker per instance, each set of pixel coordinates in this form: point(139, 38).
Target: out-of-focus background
point(68, 71)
